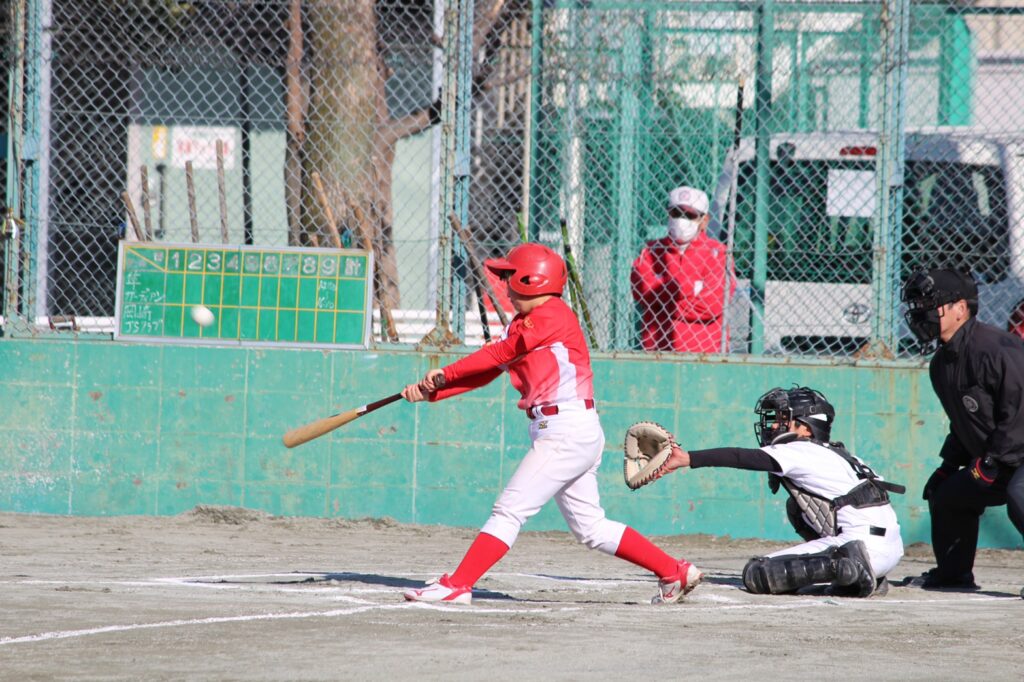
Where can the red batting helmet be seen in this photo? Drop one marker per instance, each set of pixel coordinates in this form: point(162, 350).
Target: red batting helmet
point(532, 270)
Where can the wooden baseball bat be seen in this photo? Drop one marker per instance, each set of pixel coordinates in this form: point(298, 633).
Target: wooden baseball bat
point(478, 286)
point(737, 138)
point(222, 193)
point(133, 217)
point(477, 267)
point(147, 214)
point(307, 432)
point(325, 206)
point(576, 284)
point(193, 214)
point(388, 330)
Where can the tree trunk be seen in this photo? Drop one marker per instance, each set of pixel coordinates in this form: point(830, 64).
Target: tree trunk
point(347, 125)
point(349, 134)
point(295, 128)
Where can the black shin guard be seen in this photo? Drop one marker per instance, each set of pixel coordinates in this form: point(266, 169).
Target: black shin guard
point(785, 574)
point(863, 582)
point(782, 574)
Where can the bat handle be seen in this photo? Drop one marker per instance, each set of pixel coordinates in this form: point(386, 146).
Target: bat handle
point(370, 407)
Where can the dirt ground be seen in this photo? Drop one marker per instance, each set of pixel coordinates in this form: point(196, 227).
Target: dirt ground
point(225, 594)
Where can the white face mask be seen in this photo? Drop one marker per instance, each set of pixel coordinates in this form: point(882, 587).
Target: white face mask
point(683, 230)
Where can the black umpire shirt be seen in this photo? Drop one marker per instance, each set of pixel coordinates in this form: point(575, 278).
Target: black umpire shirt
point(979, 379)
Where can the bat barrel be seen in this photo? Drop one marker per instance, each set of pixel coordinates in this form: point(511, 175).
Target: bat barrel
point(307, 432)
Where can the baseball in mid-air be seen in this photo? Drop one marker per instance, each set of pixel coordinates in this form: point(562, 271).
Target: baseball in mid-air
point(202, 315)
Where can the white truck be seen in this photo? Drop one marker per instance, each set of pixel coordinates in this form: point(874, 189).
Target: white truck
point(963, 205)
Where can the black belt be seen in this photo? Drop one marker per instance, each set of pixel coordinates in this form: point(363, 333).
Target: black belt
point(875, 530)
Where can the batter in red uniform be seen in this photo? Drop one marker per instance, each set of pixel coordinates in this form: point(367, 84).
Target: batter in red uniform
point(546, 356)
point(679, 281)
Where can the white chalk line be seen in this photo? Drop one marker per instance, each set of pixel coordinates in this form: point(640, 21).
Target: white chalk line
point(213, 620)
point(66, 634)
point(720, 603)
point(301, 586)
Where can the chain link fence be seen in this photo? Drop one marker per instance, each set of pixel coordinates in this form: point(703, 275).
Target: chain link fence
point(838, 144)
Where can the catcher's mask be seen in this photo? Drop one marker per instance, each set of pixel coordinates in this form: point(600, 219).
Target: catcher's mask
point(925, 291)
point(776, 408)
point(531, 270)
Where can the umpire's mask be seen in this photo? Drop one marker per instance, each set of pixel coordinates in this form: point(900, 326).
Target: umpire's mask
point(925, 291)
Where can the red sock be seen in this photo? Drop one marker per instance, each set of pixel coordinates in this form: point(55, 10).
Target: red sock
point(639, 550)
point(485, 551)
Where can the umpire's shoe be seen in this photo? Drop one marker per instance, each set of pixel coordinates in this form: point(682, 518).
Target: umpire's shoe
point(672, 588)
point(854, 575)
point(932, 579)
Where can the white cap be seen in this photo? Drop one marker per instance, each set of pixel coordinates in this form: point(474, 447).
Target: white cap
point(688, 197)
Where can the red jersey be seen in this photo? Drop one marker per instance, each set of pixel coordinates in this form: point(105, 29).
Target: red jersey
point(681, 294)
point(544, 352)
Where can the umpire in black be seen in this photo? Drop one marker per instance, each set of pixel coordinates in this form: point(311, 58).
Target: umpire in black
point(978, 375)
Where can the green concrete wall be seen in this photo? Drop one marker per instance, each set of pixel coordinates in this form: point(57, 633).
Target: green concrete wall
point(103, 428)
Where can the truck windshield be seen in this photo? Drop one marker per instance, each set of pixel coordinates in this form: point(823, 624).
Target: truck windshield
point(820, 216)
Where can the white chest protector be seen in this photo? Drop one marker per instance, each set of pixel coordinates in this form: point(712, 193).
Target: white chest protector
point(819, 510)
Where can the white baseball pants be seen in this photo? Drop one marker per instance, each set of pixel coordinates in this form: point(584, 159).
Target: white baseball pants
point(562, 463)
point(885, 552)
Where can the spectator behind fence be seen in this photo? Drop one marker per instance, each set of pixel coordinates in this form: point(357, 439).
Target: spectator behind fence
point(1015, 325)
point(679, 280)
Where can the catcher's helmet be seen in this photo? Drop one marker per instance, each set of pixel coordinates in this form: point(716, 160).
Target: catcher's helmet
point(926, 290)
point(531, 269)
point(776, 408)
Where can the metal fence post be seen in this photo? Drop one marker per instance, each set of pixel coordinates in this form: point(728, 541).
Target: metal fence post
point(463, 125)
point(33, 264)
point(762, 163)
point(956, 70)
point(533, 142)
point(456, 101)
point(895, 21)
point(629, 109)
point(12, 230)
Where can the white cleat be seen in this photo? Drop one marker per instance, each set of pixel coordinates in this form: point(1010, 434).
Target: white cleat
point(675, 587)
point(441, 590)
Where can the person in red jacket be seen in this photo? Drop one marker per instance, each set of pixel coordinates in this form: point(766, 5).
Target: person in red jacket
point(679, 280)
point(1015, 325)
point(548, 363)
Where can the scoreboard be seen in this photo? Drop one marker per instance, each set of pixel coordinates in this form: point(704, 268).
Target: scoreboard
point(258, 296)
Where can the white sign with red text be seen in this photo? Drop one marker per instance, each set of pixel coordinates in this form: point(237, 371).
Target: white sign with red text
point(198, 144)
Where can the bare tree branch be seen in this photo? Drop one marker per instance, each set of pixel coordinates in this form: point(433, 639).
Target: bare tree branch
point(488, 85)
point(410, 124)
point(484, 18)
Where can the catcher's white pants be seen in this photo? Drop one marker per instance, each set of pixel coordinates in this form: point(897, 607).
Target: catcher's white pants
point(562, 463)
point(885, 552)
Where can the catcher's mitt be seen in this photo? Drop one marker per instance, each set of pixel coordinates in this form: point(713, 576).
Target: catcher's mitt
point(647, 447)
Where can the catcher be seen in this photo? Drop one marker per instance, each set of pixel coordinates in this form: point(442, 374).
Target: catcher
point(837, 503)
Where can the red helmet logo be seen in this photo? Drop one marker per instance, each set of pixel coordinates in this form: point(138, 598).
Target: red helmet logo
point(532, 270)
